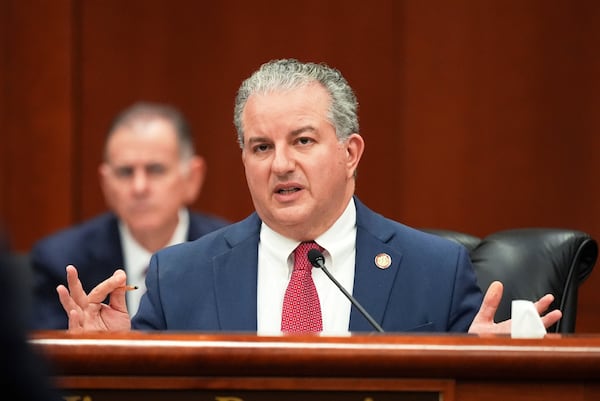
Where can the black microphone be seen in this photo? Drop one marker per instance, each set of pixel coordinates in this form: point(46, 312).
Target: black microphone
point(317, 259)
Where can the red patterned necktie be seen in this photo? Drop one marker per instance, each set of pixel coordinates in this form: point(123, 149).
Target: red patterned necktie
point(301, 311)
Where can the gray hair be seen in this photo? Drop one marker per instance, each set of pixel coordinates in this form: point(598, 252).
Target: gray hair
point(146, 111)
point(288, 74)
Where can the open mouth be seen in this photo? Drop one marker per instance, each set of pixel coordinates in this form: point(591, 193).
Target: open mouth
point(285, 191)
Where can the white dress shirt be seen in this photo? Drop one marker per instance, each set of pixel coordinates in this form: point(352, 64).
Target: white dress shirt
point(275, 265)
point(137, 258)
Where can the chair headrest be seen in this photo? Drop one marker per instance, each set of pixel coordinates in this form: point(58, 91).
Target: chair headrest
point(467, 240)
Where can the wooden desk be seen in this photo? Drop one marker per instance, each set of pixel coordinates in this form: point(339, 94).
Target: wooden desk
point(377, 367)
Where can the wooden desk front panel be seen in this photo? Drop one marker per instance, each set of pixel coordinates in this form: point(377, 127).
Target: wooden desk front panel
point(490, 390)
point(234, 367)
point(255, 389)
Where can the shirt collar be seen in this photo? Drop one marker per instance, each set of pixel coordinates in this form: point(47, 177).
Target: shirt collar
point(340, 237)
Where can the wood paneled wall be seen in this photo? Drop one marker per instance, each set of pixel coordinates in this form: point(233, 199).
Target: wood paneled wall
point(477, 115)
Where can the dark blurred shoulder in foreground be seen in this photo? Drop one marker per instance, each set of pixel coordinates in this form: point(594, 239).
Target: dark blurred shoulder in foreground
point(23, 373)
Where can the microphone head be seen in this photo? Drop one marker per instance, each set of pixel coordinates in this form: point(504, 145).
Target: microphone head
point(316, 258)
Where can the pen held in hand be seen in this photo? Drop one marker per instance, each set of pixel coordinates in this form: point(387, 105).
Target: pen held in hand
point(129, 287)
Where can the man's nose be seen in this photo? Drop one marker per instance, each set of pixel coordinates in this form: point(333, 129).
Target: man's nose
point(283, 161)
point(140, 181)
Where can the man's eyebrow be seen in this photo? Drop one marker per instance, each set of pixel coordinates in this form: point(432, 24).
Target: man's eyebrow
point(257, 139)
point(296, 132)
point(115, 165)
point(302, 130)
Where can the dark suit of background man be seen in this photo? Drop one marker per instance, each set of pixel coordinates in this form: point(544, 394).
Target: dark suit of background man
point(298, 130)
point(149, 176)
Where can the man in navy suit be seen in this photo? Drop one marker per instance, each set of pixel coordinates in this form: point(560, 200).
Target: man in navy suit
point(298, 130)
point(150, 174)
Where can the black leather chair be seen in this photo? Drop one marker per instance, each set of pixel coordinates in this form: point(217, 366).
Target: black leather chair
point(532, 262)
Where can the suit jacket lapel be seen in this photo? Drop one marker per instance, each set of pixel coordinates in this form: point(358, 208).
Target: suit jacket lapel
point(372, 283)
point(236, 275)
point(105, 250)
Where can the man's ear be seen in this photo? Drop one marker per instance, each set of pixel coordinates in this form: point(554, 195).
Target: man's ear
point(194, 179)
point(355, 146)
point(103, 176)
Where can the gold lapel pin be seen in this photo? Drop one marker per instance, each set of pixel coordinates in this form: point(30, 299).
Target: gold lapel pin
point(383, 260)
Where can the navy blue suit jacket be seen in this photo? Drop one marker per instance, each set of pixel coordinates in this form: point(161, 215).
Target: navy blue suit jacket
point(94, 247)
point(210, 284)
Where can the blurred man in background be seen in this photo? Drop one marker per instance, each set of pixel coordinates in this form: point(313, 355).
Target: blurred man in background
point(150, 175)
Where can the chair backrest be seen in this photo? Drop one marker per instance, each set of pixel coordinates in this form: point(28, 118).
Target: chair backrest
point(532, 262)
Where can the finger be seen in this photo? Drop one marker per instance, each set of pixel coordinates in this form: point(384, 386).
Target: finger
point(542, 306)
point(65, 298)
point(490, 303)
point(118, 300)
point(114, 283)
point(75, 288)
point(551, 317)
point(75, 324)
point(544, 303)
